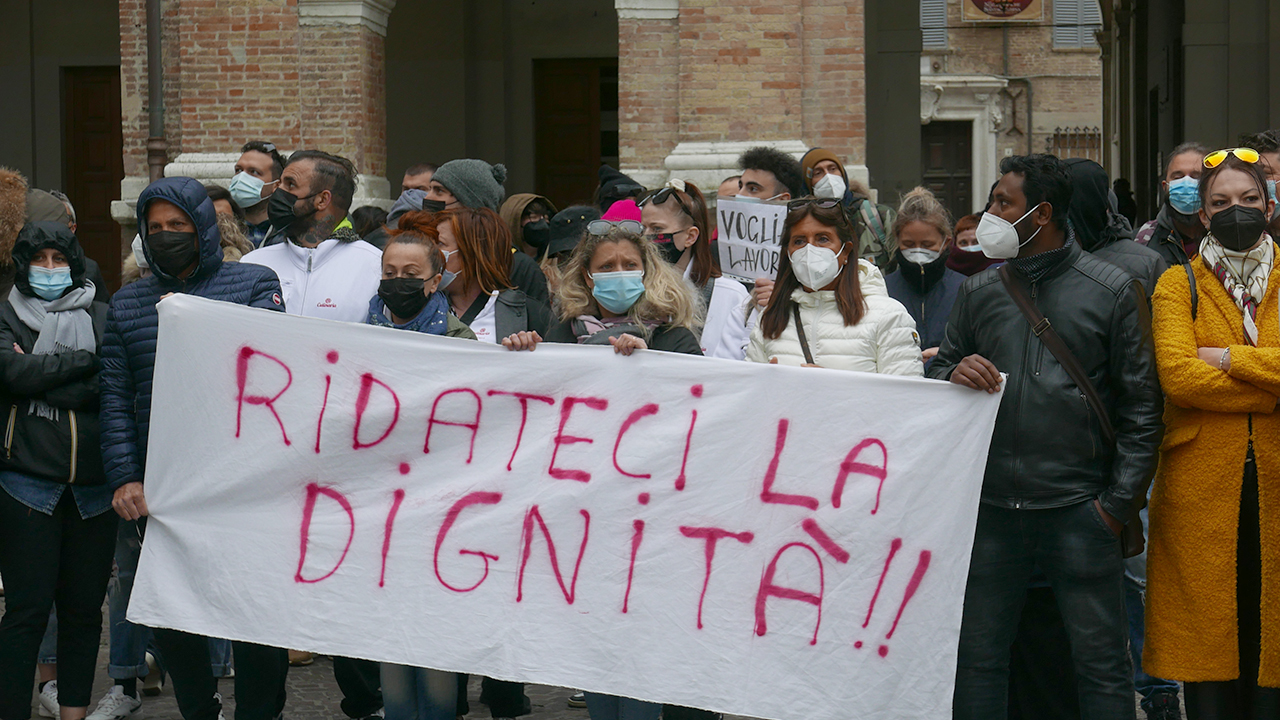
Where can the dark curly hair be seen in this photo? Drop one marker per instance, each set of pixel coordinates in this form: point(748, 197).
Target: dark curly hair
point(785, 169)
point(1045, 178)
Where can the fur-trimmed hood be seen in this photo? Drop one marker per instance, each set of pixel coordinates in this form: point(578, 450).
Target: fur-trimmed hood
point(13, 208)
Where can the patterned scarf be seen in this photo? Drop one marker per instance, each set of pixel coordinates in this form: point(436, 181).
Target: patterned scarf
point(1243, 275)
point(433, 320)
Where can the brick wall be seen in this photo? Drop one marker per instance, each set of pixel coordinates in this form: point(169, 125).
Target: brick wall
point(236, 70)
point(648, 90)
point(835, 86)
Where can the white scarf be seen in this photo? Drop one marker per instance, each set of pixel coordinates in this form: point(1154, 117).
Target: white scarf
point(63, 325)
point(1244, 275)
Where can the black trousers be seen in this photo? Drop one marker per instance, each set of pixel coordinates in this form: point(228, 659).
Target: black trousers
point(505, 699)
point(259, 683)
point(44, 558)
point(1241, 699)
point(361, 686)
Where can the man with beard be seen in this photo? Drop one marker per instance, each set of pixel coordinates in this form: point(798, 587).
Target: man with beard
point(1177, 231)
point(325, 269)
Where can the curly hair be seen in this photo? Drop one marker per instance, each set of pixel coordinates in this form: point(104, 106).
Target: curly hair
point(786, 169)
point(849, 297)
point(1045, 178)
point(920, 205)
point(667, 298)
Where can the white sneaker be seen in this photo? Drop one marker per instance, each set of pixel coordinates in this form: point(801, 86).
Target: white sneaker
point(115, 705)
point(49, 700)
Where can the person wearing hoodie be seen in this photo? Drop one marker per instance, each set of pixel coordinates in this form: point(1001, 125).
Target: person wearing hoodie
point(831, 308)
point(1177, 231)
point(674, 217)
point(474, 183)
point(825, 177)
point(615, 186)
point(181, 244)
point(1103, 231)
point(923, 282)
point(529, 217)
point(325, 269)
point(56, 529)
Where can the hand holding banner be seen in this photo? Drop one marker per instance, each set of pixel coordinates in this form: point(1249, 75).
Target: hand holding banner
point(640, 526)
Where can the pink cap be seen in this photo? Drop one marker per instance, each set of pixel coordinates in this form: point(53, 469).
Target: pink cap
point(623, 210)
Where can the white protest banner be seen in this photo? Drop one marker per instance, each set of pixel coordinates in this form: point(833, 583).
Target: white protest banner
point(749, 236)
point(642, 526)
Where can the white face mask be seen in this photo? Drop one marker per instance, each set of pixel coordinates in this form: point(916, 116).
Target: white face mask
point(138, 255)
point(830, 186)
point(920, 256)
point(998, 237)
point(815, 267)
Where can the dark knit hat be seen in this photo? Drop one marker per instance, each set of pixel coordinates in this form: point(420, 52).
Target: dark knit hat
point(44, 207)
point(615, 186)
point(568, 227)
point(475, 183)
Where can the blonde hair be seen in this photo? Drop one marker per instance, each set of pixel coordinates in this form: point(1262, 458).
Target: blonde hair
point(667, 298)
point(235, 244)
point(920, 205)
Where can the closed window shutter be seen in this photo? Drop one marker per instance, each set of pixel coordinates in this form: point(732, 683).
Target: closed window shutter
point(1075, 23)
point(933, 24)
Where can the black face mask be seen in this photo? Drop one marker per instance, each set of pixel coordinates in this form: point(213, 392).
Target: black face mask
point(433, 206)
point(280, 211)
point(173, 252)
point(404, 297)
point(537, 234)
point(670, 252)
point(1238, 227)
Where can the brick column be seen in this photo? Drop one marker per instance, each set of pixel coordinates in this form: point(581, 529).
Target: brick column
point(835, 115)
point(648, 86)
point(300, 73)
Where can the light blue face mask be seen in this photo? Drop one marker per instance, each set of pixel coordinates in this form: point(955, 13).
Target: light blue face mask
point(246, 190)
point(618, 291)
point(1184, 195)
point(49, 284)
point(1271, 190)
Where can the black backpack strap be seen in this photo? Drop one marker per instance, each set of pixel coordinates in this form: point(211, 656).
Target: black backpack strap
point(1195, 296)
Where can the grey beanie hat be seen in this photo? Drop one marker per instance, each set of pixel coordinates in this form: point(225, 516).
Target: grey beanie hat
point(475, 183)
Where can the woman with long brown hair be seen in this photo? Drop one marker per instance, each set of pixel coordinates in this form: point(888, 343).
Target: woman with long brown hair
point(476, 244)
point(675, 219)
point(829, 308)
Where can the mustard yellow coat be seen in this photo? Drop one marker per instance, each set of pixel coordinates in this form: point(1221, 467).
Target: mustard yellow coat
point(1195, 502)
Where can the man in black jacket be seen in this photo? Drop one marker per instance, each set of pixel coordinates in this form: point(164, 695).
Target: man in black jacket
point(1056, 494)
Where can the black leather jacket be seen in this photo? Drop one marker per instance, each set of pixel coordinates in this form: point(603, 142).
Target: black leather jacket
point(1048, 450)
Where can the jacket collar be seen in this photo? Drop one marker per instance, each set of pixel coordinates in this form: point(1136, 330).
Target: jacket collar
point(311, 258)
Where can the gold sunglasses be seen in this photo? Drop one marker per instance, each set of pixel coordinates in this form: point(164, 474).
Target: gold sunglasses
point(1215, 158)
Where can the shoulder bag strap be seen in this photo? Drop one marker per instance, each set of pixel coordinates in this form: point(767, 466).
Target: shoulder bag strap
point(804, 342)
point(1195, 296)
point(1043, 330)
point(872, 219)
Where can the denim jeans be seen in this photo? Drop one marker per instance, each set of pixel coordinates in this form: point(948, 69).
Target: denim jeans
point(220, 657)
point(612, 707)
point(1080, 556)
point(128, 649)
point(410, 693)
point(49, 645)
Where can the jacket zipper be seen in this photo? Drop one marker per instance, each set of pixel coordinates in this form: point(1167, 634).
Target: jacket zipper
point(75, 446)
point(1017, 425)
point(8, 433)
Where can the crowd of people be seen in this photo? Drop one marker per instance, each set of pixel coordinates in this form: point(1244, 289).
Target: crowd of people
point(1123, 356)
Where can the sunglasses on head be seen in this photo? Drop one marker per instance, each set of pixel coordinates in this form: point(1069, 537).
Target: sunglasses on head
point(824, 203)
point(600, 228)
point(661, 196)
point(1215, 158)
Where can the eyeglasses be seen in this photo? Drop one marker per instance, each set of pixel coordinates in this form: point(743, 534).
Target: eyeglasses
point(661, 196)
point(1215, 158)
point(600, 228)
point(824, 203)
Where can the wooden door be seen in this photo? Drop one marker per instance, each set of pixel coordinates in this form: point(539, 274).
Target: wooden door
point(947, 163)
point(570, 97)
point(92, 162)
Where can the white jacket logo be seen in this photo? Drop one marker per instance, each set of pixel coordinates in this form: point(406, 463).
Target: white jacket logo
point(328, 303)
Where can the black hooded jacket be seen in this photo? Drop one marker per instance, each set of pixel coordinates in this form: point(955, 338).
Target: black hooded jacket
point(66, 450)
point(1103, 231)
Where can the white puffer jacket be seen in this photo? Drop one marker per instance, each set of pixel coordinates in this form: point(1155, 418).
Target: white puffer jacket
point(884, 341)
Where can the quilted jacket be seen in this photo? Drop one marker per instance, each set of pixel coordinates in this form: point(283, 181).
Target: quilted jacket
point(884, 341)
point(129, 342)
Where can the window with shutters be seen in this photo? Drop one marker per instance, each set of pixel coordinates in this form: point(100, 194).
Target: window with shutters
point(933, 24)
point(1075, 23)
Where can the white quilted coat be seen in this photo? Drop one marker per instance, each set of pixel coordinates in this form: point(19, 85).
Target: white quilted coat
point(884, 341)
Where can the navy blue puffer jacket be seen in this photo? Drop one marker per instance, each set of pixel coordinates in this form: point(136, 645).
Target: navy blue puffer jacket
point(129, 342)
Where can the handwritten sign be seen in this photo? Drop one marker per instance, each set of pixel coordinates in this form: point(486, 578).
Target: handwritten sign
point(642, 526)
point(749, 237)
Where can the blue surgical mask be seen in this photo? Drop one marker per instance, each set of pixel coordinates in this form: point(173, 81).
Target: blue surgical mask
point(446, 278)
point(246, 190)
point(1184, 195)
point(1271, 190)
point(618, 291)
point(47, 283)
